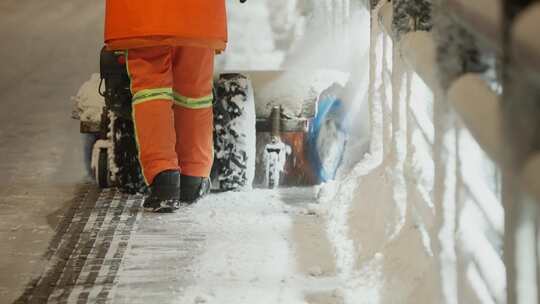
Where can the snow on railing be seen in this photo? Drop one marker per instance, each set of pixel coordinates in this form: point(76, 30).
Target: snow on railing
point(521, 129)
point(468, 218)
point(482, 58)
point(452, 179)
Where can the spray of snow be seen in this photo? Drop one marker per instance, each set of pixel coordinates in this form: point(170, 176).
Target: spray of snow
point(287, 21)
point(251, 43)
point(296, 90)
point(330, 145)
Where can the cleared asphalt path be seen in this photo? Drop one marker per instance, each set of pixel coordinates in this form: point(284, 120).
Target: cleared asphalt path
point(49, 48)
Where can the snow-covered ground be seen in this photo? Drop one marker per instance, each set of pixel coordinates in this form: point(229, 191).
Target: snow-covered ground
point(261, 246)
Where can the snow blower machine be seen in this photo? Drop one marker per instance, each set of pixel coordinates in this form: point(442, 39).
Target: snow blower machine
point(268, 128)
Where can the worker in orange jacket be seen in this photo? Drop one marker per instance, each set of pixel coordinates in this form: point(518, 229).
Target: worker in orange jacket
point(170, 47)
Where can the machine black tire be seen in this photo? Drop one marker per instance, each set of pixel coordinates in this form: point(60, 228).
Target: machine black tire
point(128, 177)
point(231, 146)
point(103, 172)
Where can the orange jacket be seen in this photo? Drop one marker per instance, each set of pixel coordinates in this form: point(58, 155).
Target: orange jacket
point(139, 23)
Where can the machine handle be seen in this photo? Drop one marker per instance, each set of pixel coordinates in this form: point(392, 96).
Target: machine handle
point(275, 119)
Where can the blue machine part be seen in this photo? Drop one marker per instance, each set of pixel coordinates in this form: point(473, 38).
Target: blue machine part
point(327, 138)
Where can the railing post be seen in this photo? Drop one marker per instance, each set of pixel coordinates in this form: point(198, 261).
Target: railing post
point(457, 54)
point(521, 129)
point(375, 108)
point(386, 94)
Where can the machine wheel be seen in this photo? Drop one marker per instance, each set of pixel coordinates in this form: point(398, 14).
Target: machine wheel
point(103, 174)
point(234, 133)
point(128, 176)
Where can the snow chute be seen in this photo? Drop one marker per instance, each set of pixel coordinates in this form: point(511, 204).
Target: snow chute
point(327, 138)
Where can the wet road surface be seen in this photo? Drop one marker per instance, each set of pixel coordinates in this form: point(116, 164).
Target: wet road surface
point(49, 48)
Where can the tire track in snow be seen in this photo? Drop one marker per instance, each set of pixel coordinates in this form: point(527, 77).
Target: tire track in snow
point(85, 255)
point(159, 264)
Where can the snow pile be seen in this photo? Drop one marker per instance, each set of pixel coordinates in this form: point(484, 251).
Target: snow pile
point(379, 220)
point(88, 103)
point(376, 242)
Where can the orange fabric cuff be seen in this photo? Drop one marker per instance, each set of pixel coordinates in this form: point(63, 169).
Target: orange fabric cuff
point(132, 43)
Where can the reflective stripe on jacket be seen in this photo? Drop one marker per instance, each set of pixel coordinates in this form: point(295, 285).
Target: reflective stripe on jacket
point(141, 23)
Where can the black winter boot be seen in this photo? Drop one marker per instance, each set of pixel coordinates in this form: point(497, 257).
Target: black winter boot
point(192, 188)
point(164, 192)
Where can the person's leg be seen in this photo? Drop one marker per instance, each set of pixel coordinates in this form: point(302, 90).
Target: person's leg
point(193, 80)
point(150, 71)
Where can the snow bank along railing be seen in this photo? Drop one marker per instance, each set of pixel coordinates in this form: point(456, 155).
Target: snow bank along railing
point(466, 52)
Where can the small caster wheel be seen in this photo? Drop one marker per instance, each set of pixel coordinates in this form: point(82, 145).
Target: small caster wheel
point(102, 171)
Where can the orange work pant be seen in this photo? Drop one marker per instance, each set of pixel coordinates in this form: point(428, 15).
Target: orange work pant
point(172, 108)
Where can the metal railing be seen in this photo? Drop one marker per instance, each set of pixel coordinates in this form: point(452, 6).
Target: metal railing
point(481, 61)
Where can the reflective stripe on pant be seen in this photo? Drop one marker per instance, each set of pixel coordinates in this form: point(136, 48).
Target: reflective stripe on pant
point(172, 108)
